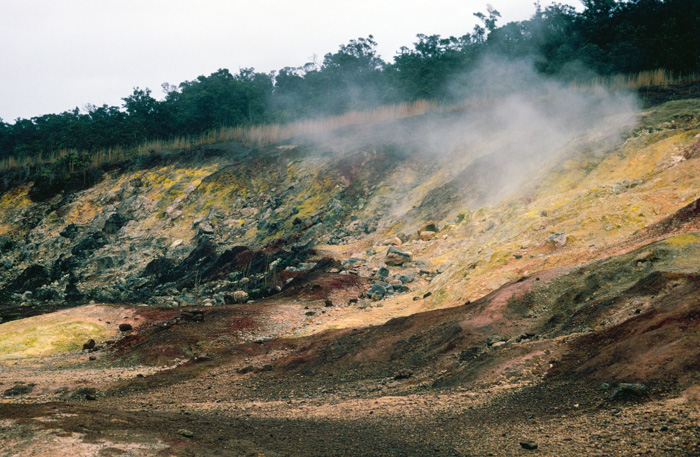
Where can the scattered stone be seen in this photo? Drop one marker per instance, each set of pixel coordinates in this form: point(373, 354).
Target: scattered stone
point(125, 327)
point(396, 241)
point(383, 272)
point(328, 303)
point(498, 344)
point(397, 257)
point(427, 294)
point(528, 444)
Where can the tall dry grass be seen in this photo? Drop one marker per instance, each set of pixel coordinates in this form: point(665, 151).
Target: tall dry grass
point(658, 78)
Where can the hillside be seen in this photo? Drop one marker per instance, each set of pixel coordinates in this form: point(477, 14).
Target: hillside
point(450, 283)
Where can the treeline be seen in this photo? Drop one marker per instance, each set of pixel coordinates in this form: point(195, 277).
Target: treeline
point(608, 37)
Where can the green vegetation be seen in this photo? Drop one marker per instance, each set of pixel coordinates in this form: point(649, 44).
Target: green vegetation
point(614, 39)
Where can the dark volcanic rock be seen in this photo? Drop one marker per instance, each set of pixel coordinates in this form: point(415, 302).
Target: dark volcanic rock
point(31, 278)
point(125, 327)
point(626, 391)
point(89, 345)
point(158, 267)
point(18, 389)
point(91, 243)
point(114, 223)
point(72, 293)
point(529, 445)
point(70, 231)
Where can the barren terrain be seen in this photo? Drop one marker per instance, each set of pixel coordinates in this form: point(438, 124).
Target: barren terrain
point(357, 295)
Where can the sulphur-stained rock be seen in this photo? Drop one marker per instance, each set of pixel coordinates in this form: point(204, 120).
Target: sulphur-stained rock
point(397, 257)
point(558, 240)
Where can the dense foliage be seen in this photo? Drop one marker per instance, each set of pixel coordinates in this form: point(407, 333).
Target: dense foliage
point(608, 37)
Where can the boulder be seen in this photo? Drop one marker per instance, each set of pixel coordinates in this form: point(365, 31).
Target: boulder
point(240, 296)
point(376, 292)
point(397, 257)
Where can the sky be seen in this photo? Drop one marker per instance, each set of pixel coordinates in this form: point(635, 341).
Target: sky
point(56, 55)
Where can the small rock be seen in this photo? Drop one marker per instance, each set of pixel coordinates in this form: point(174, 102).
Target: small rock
point(89, 345)
point(529, 445)
point(493, 339)
point(186, 433)
point(125, 327)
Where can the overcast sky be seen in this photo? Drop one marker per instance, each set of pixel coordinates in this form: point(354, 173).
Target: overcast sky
point(56, 55)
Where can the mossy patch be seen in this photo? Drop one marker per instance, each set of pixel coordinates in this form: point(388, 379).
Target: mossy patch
point(23, 339)
point(683, 240)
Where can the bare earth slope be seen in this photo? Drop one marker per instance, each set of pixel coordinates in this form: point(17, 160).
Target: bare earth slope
point(241, 302)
